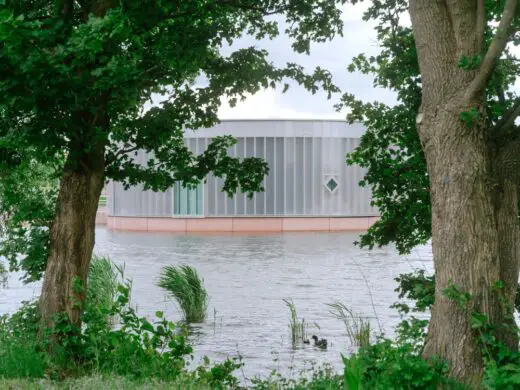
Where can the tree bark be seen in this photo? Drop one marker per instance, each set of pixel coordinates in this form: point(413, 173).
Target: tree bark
point(475, 243)
point(72, 238)
point(72, 233)
point(474, 205)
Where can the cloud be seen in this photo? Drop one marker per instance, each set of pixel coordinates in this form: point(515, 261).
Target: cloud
point(359, 37)
point(266, 105)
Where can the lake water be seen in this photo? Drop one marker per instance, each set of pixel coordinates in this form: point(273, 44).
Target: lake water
point(247, 278)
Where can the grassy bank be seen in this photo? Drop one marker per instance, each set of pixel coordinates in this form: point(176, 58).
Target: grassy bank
point(98, 382)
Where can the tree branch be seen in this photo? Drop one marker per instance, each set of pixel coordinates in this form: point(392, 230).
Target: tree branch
point(288, 6)
point(496, 48)
point(120, 152)
point(506, 123)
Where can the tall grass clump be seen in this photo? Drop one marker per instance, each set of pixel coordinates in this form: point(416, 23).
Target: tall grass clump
point(103, 280)
point(352, 373)
point(297, 327)
point(185, 285)
point(3, 274)
point(357, 327)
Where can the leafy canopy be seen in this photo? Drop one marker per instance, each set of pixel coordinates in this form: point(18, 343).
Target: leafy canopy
point(390, 149)
point(75, 76)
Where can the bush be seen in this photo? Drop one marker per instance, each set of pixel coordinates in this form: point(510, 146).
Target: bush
point(397, 364)
point(314, 378)
point(136, 349)
point(386, 365)
point(21, 356)
point(185, 285)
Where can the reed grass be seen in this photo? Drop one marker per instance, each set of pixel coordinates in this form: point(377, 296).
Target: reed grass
point(103, 280)
point(358, 328)
point(297, 327)
point(184, 284)
point(3, 274)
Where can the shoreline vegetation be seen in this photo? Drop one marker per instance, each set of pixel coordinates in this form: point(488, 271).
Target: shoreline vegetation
point(118, 349)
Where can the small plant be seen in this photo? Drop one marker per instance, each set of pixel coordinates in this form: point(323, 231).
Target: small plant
point(352, 373)
point(185, 285)
point(20, 355)
point(358, 328)
point(297, 328)
point(313, 377)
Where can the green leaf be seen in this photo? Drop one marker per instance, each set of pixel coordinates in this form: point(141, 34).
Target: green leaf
point(147, 326)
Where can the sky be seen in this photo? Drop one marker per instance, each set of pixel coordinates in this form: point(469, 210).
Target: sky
point(297, 103)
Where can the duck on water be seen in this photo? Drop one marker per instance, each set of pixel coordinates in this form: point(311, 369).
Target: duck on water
point(321, 343)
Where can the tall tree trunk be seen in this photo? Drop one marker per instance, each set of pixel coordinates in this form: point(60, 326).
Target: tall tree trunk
point(72, 238)
point(73, 229)
point(474, 205)
point(475, 241)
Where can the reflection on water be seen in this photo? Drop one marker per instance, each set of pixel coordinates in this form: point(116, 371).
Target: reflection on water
point(247, 276)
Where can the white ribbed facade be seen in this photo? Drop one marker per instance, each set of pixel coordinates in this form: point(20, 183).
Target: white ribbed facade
point(308, 175)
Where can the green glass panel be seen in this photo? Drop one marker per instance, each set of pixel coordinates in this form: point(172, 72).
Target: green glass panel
point(187, 201)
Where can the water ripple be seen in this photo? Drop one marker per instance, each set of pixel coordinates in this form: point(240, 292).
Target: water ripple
point(247, 276)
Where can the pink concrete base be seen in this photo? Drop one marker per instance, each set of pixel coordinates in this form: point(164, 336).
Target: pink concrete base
point(257, 224)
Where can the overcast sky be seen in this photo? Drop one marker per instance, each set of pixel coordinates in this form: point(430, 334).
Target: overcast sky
point(359, 37)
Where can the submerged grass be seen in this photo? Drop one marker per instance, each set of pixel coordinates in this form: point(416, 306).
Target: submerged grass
point(297, 327)
point(185, 285)
point(357, 327)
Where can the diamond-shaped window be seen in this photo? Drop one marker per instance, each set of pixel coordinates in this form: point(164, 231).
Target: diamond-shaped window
point(332, 185)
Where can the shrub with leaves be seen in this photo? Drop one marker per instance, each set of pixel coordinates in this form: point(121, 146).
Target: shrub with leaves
point(20, 352)
point(137, 349)
point(28, 193)
point(315, 377)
